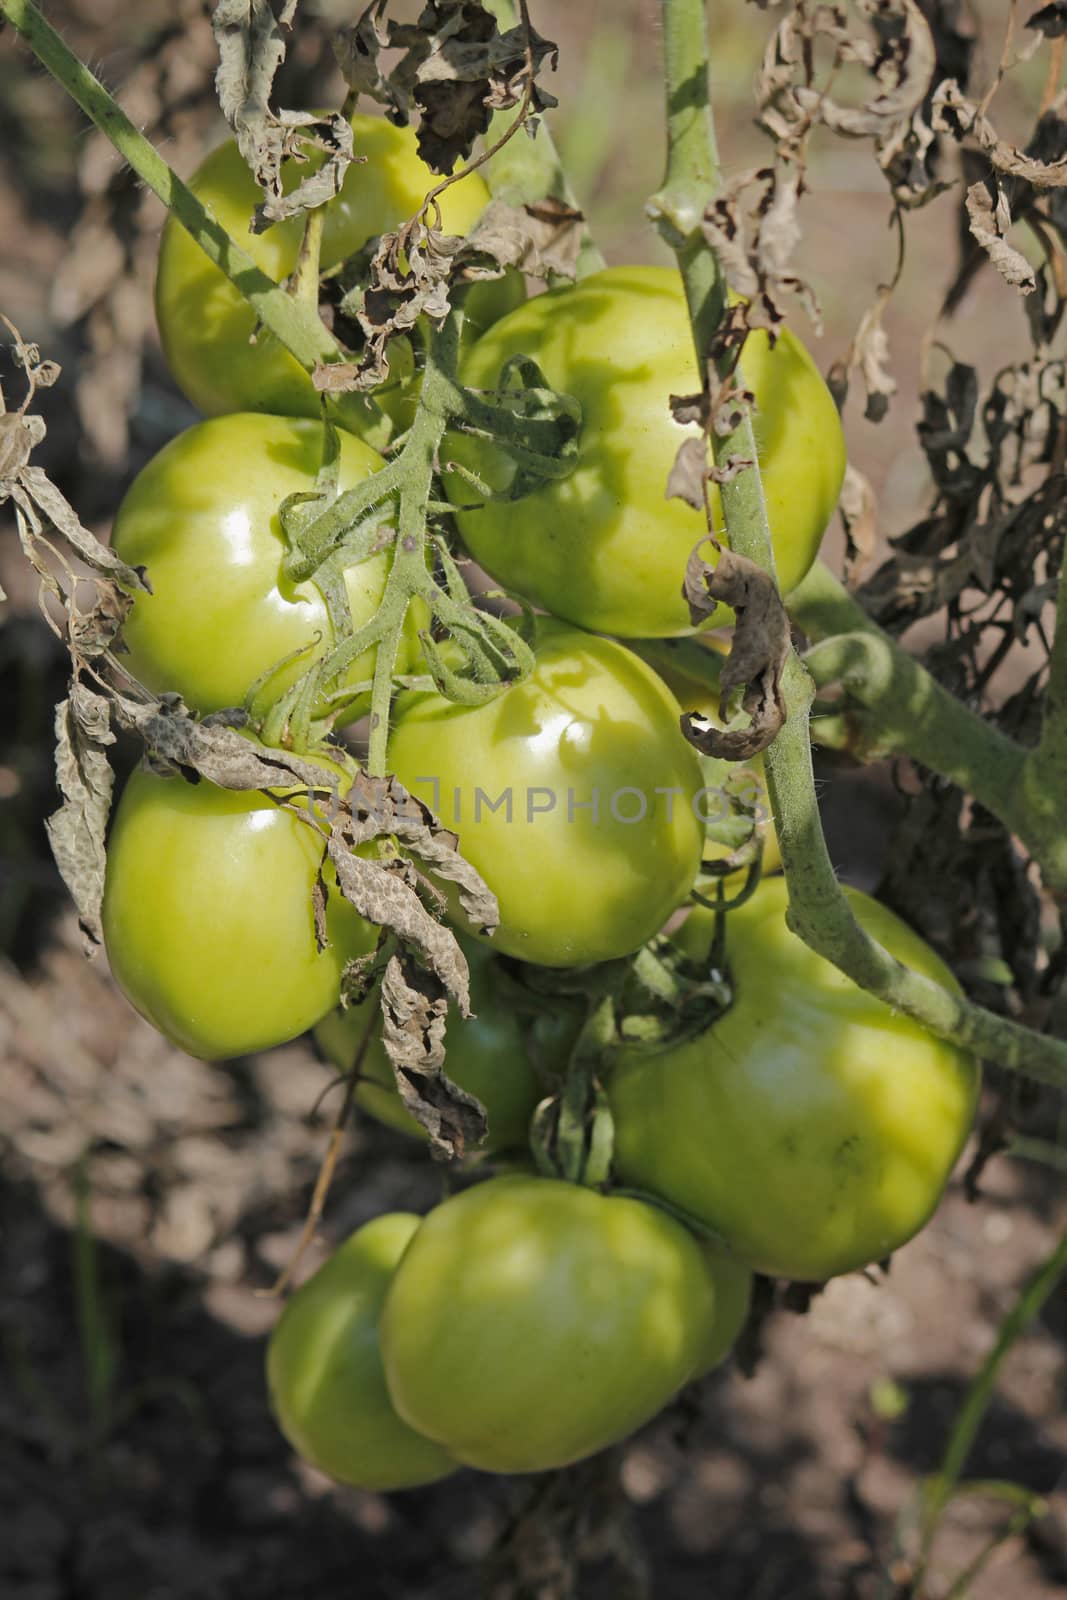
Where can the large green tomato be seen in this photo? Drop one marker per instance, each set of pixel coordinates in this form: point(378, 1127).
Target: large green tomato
point(208, 917)
point(206, 327)
point(202, 517)
point(325, 1376)
point(485, 1054)
point(532, 1322)
point(603, 547)
point(594, 839)
point(811, 1126)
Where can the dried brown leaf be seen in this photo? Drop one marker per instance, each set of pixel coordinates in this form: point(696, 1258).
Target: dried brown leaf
point(859, 513)
point(414, 1010)
point(540, 239)
point(989, 214)
point(83, 772)
point(757, 659)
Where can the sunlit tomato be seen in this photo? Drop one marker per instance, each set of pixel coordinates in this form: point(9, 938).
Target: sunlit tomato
point(208, 917)
point(532, 1322)
point(603, 547)
point(207, 328)
point(811, 1126)
point(202, 517)
point(324, 1371)
point(572, 794)
point(485, 1054)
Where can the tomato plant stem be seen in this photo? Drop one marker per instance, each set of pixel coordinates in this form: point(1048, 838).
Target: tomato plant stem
point(295, 324)
point(818, 910)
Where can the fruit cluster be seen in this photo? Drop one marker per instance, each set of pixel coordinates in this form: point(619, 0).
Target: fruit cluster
point(527, 1321)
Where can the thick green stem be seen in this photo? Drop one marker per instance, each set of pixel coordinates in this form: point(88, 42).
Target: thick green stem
point(897, 708)
point(818, 910)
point(296, 325)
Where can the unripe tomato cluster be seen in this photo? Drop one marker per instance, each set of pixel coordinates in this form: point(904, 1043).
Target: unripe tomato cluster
point(527, 1321)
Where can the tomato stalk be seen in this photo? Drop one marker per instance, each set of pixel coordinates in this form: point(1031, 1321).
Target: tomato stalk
point(292, 322)
point(818, 910)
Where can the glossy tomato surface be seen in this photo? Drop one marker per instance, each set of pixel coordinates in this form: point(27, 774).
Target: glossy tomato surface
point(485, 1054)
point(206, 327)
point(532, 1322)
point(811, 1126)
point(594, 839)
point(208, 918)
point(324, 1371)
point(203, 518)
point(603, 547)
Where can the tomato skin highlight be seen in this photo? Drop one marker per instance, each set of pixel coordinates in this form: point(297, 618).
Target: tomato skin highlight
point(813, 1128)
point(603, 547)
point(202, 518)
point(532, 1322)
point(484, 1054)
point(592, 723)
point(324, 1370)
point(208, 919)
point(206, 327)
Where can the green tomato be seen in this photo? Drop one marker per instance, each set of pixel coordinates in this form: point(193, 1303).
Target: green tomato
point(208, 917)
point(207, 328)
point(202, 517)
point(532, 1322)
point(485, 1054)
point(603, 547)
point(594, 839)
point(811, 1126)
point(733, 1297)
point(324, 1371)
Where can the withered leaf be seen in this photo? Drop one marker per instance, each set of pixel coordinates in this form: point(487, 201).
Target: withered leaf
point(755, 246)
point(870, 352)
point(251, 36)
point(458, 68)
point(59, 512)
point(414, 1010)
point(757, 659)
point(541, 239)
point(989, 215)
point(689, 473)
point(1051, 20)
point(859, 513)
point(954, 114)
point(85, 779)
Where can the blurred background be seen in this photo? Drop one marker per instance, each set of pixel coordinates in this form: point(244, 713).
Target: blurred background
point(147, 1200)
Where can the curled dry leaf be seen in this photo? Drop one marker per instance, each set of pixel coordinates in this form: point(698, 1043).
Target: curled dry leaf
point(859, 514)
point(757, 656)
point(456, 70)
point(414, 1009)
point(541, 239)
point(419, 980)
point(755, 244)
point(989, 214)
point(83, 772)
point(954, 114)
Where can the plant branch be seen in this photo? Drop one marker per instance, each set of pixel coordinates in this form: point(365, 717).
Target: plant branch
point(818, 910)
point(292, 322)
point(903, 710)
